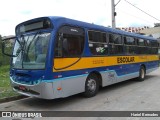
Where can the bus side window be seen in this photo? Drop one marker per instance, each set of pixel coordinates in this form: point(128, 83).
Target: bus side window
point(141, 46)
point(159, 48)
point(98, 42)
point(71, 46)
point(130, 45)
point(69, 42)
point(115, 44)
point(154, 47)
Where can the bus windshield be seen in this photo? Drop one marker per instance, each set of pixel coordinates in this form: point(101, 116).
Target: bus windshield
point(31, 51)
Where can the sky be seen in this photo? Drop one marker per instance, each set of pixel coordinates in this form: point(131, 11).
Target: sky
point(13, 12)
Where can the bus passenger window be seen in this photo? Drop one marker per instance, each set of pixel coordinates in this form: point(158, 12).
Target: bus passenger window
point(115, 44)
point(159, 48)
point(70, 42)
point(130, 45)
point(98, 42)
point(71, 46)
point(98, 49)
point(141, 46)
point(154, 47)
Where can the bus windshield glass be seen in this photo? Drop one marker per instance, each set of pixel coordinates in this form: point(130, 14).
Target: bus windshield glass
point(31, 51)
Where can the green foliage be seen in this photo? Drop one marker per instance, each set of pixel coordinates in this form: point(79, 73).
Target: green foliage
point(5, 87)
point(4, 76)
point(4, 60)
point(1, 57)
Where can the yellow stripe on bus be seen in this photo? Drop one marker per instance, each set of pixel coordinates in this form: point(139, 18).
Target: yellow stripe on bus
point(66, 64)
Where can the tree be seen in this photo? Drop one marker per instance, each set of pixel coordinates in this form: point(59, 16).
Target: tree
point(4, 60)
point(1, 50)
point(0, 41)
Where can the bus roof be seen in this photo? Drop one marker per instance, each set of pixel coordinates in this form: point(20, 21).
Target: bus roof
point(62, 20)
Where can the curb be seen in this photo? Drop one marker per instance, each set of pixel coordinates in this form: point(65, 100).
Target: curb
point(8, 99)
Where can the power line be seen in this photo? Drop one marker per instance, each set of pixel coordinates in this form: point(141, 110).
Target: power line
point(142, 10)
point(117, 3)
point(135, 16)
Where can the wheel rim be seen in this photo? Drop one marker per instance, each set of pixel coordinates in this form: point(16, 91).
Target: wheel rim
point(142, 73)
point(91, 85)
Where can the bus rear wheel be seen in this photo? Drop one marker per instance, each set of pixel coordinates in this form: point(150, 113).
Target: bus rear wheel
point(142, 74)
point(91, 86)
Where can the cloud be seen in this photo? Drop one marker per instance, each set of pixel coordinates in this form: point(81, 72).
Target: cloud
point(25, 12)
point(129, 15)
point(85, 10)
point(14, 12)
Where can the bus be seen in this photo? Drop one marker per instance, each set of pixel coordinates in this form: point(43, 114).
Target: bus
point(56, 57)
point(159, 56)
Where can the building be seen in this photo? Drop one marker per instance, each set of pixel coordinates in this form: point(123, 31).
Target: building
point(155, 32)
point(133, 29)
point(149, 31)
point(8, 37)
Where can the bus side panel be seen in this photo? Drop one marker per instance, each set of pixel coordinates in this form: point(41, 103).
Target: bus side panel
point(69, 86)
point(120, 73)
point(111, 77)
point(108, 77)
point(151, 66)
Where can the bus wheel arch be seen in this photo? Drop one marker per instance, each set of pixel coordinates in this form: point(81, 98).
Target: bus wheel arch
point(142, 72)
point(98, 76)
point(92, 83)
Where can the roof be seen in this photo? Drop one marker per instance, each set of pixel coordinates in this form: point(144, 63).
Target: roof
point(97, 27)
point(151, 30)
point(8, 37)
point(62, 20)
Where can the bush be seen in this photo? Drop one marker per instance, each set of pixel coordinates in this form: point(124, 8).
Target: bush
point(4, 60)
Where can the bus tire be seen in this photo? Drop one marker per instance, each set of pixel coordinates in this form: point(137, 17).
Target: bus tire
point(91, 86)
point(142, 74)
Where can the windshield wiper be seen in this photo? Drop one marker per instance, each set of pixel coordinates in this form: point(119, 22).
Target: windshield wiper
point(23, 48)
point(26, 48)
point(32, 41)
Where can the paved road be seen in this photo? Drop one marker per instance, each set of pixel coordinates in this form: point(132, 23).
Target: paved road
point(130, 95)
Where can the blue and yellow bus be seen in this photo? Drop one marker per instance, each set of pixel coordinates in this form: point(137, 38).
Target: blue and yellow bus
point(56, 57)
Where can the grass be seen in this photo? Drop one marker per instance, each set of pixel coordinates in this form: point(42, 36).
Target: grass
point(5, 87)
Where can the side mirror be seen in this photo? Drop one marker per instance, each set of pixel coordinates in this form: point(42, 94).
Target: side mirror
point(7, 46)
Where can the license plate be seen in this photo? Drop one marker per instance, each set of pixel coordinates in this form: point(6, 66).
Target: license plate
point(22, 87)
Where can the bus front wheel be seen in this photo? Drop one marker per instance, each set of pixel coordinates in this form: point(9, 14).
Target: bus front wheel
point(91, 86)
point(142, 74)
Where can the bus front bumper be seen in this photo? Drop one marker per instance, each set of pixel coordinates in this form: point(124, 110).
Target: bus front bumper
point(42, 90)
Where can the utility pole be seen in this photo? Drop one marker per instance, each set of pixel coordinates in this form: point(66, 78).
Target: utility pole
point(113, 14)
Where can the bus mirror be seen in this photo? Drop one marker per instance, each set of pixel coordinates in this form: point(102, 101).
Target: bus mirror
point(7, 46)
